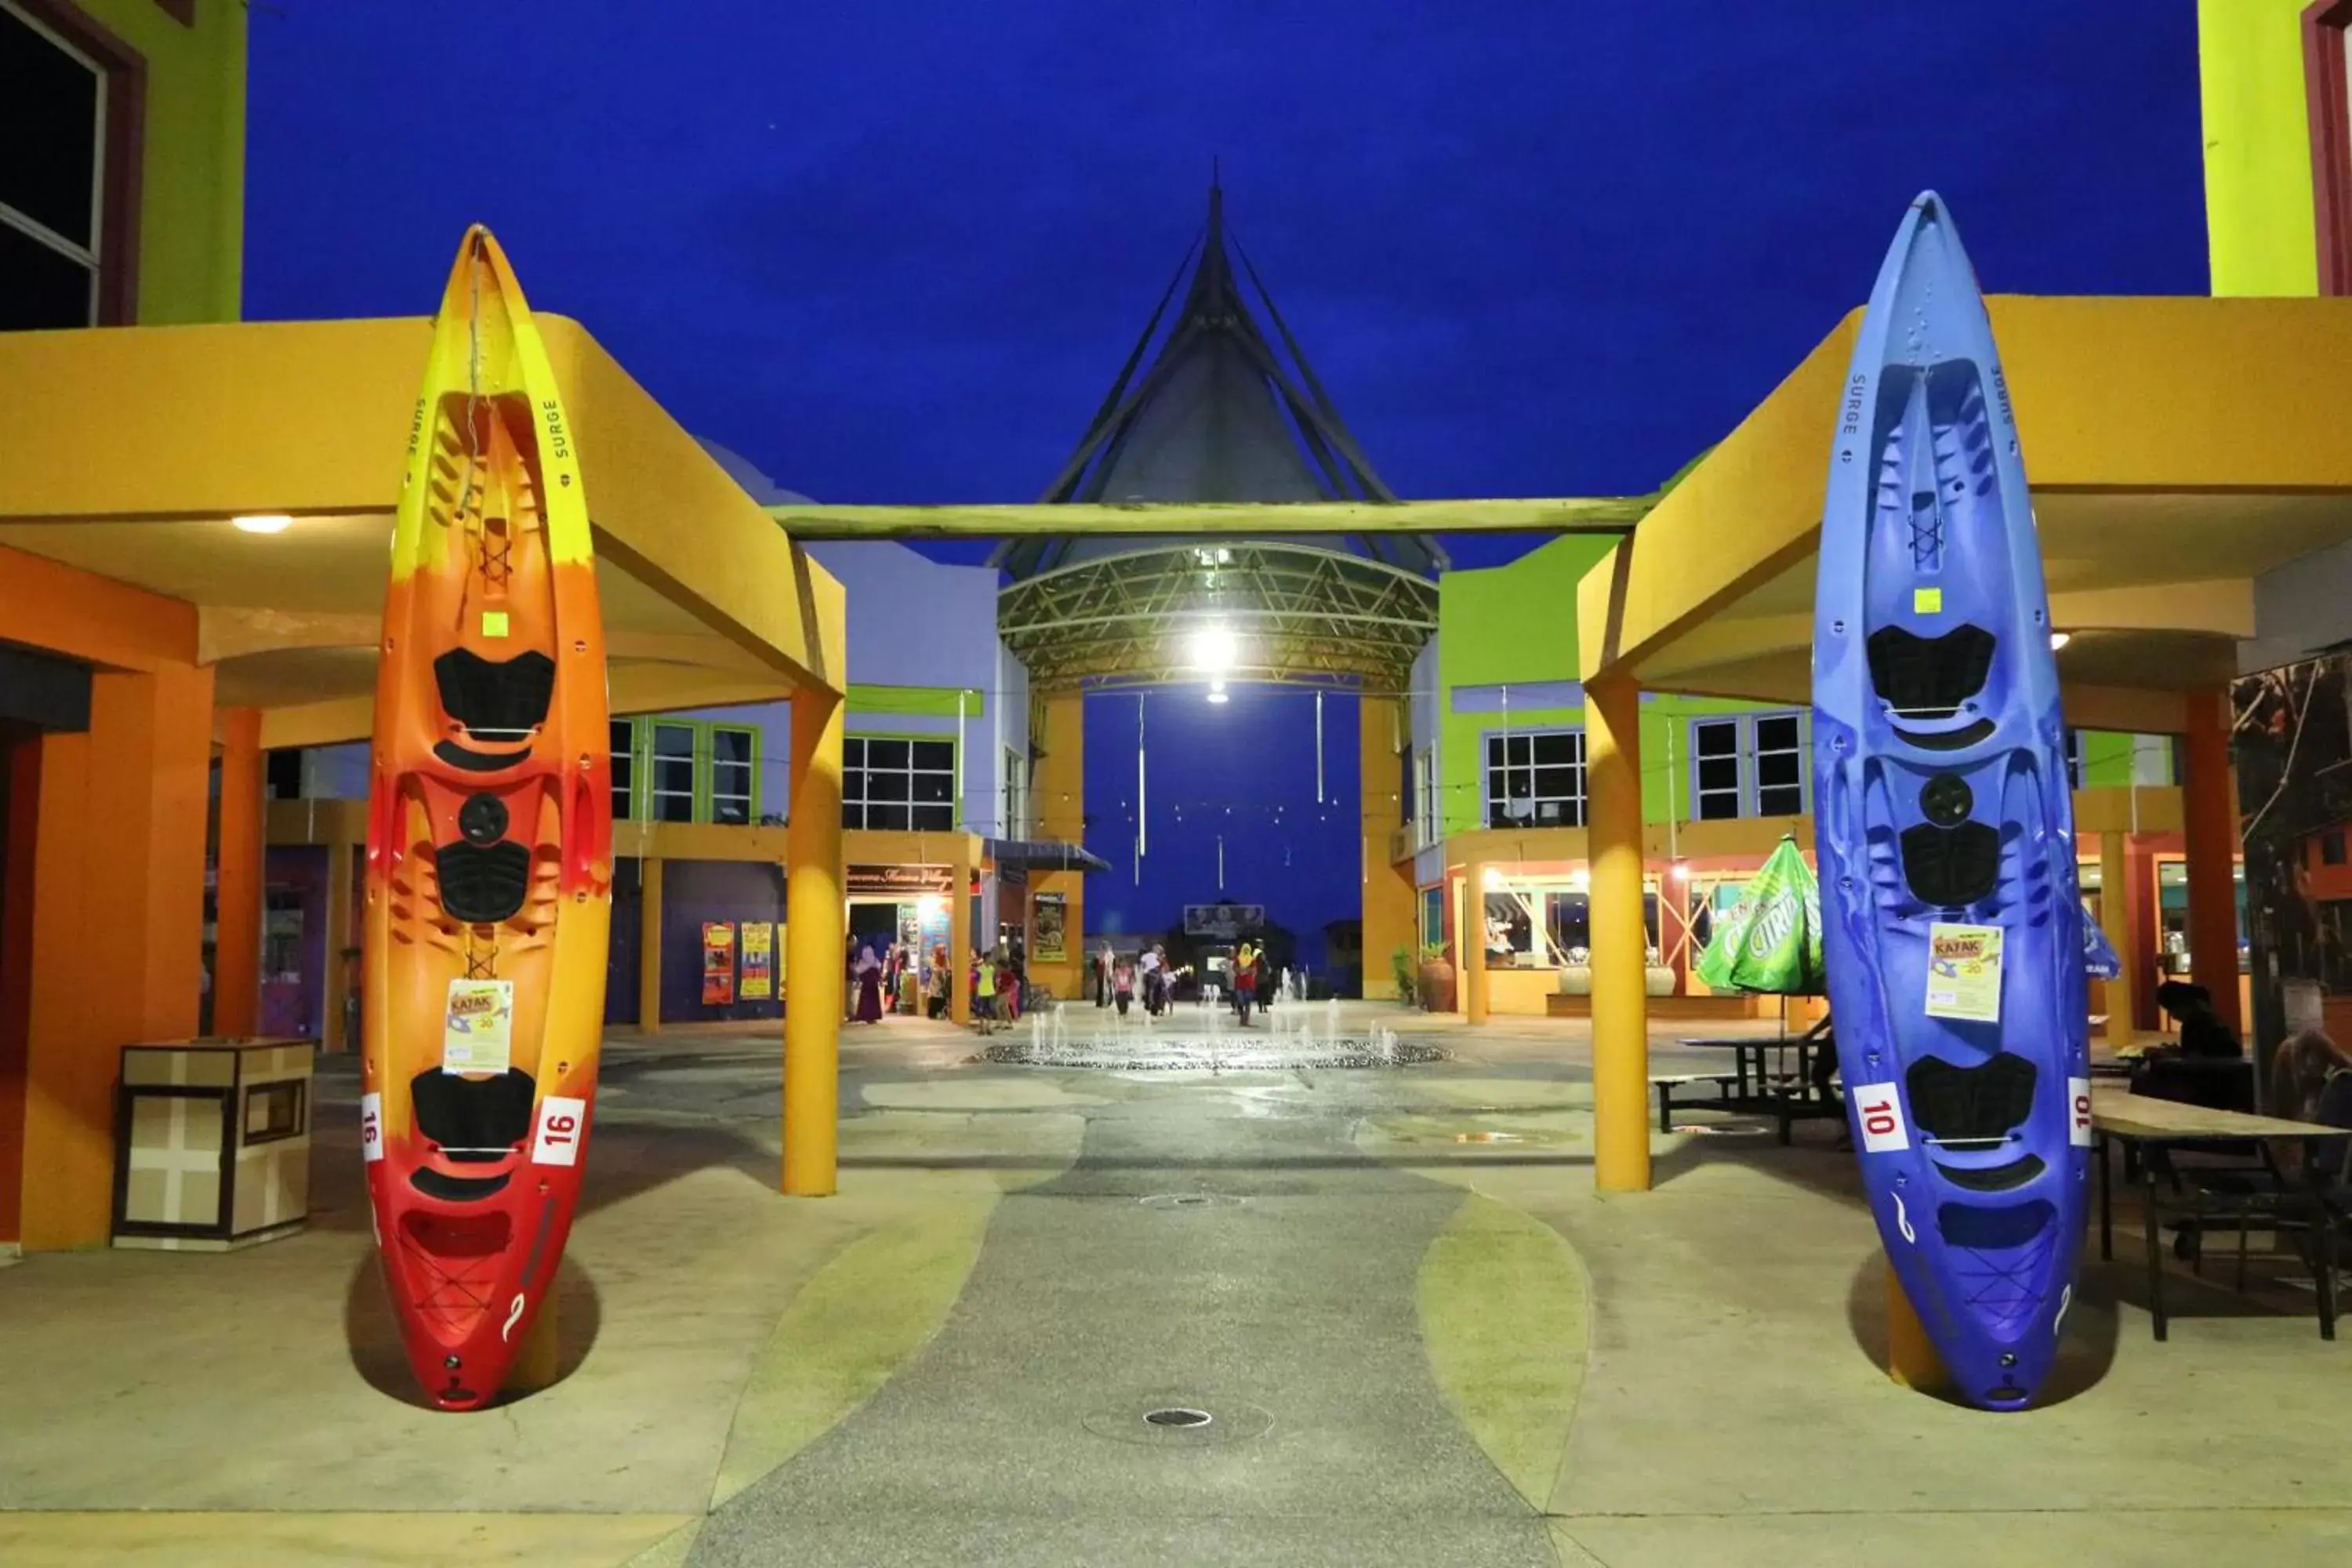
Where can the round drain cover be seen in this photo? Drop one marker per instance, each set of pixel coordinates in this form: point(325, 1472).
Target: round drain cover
point(1190, 1421)
point(1189, 1201)
point(1178, 1416)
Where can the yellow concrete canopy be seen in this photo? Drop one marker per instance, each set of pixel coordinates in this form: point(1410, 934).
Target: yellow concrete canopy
point(2177, 448)
point(126, 452)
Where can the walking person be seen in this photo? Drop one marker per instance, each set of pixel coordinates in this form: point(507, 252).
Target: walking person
point(1104, 962)
point(868, 971)
point(1122, 983)
point(983, 1000)
point(1148, 971)
point(1245, 982)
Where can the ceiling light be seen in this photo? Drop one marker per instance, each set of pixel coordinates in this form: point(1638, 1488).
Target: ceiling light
point(1494, 878)
point(1681, 872)
point(1219, 696)
point(2059, 639)
point(1579, 882)
point(1214, 648)
point(268, 523)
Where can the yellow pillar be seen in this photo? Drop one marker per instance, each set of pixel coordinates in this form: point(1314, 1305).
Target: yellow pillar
point(1389, 913)
point(817, 924)
point(1621, 1007)
point(1911, 1358)
point(1474, 943)
point(959, 932)
point(536, 1359)
point(332, 1035)
point(649, 944)
point(2209, 814)
point(1057, 794)
point(2114, 919)
point(237, 889)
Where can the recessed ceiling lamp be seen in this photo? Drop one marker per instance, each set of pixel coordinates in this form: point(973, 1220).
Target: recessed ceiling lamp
point(2059, 639)
point(1217, 691)
point(268, 523)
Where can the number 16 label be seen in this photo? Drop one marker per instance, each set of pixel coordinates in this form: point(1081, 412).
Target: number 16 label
point(562, 1122)
point(1878, 1111)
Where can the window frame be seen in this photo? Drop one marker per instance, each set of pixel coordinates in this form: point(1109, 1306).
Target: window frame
point(635, 792)
point(648, 749)
point(1490, 770)
point(706, 774)
point(1745, 756)
point(120, 154)
point(862, 804)
point(2328, 109)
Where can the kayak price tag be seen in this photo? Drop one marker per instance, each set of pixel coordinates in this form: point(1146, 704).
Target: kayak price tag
point(371, 1127)
point(1878, 1111)
point(477, 1030)
point(1964, 972)
point(562, 1121)
point(1927, 601)
point(2078, 1112)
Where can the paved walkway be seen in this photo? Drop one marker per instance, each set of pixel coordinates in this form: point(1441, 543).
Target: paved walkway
point(1421, 1336)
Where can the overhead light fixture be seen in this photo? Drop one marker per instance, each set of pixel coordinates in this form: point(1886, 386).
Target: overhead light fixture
point(1494, 878)
point(1214, 648)
point(1217, 694)
point(1579, 882)
point(1681, 871)
point(266, 524)
point(2059, 639)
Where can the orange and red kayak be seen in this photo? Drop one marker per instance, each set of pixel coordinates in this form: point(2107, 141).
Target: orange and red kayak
point(489, 850)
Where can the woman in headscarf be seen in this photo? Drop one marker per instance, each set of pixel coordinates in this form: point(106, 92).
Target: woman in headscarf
point(1244, 981)
point(868, 970)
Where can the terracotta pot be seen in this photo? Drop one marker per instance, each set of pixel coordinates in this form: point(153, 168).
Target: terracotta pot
point(1436, 986)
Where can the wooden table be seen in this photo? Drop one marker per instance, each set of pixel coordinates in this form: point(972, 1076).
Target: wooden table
point(1762, 1091)
point(2117, 1114)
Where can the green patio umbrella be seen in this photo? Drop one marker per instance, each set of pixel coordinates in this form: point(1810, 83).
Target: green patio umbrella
point(1771, 939)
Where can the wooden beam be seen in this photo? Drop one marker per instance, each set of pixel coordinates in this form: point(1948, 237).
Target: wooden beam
point(1606, 515)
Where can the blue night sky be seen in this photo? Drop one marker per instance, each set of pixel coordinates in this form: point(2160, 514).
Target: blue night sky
point(896, 251)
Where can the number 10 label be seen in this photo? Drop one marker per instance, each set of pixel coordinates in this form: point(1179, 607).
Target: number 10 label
point(1878, 1111)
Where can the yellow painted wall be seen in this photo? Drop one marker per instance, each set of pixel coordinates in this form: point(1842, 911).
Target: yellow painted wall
point(2258, 190)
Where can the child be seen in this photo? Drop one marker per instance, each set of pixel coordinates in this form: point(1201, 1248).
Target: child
point(983, 1010)
point(1123, 985)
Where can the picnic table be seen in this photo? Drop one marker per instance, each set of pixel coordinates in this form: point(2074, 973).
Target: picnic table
point(2118, 1115)
point(1761, 1082)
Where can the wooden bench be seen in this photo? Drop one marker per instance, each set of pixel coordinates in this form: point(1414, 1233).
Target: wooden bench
point(1666, 1083)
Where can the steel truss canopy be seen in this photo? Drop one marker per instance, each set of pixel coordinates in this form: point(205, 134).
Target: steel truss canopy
point(1274, 611)
point(1213, 427)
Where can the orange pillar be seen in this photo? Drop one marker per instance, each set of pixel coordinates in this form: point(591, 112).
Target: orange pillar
point(237, 890)
point(2147, 929)
point(2208, 814)
point(1057, 800)
point(117, 928)
point(815, 926)
point(20, 817)
point(1475, 980)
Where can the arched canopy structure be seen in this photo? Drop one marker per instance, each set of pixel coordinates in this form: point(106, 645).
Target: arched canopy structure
point(1211, 407)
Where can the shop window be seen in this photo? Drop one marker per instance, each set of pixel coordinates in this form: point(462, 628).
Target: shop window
point(1426, 829)
point(282, 774)
point(1016, 795)
point(53, 177)
point(625, 770)
point(732, 771)
point(1535, 780)
point(673, 773)
point(2331, 848)
point(898, 784)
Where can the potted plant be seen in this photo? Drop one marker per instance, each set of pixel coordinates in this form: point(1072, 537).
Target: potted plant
point(1407, 975)
point(1435, 985)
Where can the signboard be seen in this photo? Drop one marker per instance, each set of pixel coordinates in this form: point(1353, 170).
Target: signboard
point(895, 882)
point(1224, 922)
point(1964, 972)
point(759, 980)
point(1049, 918)
point(717, 963)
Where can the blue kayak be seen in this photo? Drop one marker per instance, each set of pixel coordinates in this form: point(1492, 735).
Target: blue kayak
point(1952, 928)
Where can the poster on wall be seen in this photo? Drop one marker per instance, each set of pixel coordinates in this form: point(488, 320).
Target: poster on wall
point(1049, 928)
point(758, 983)
point(717, 963)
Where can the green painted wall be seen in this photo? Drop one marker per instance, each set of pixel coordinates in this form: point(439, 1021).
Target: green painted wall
point(2258, 190)
point(1515, 624)
point(191, 190)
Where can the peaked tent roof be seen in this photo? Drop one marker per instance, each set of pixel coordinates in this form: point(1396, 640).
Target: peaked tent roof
point(1220, 414)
